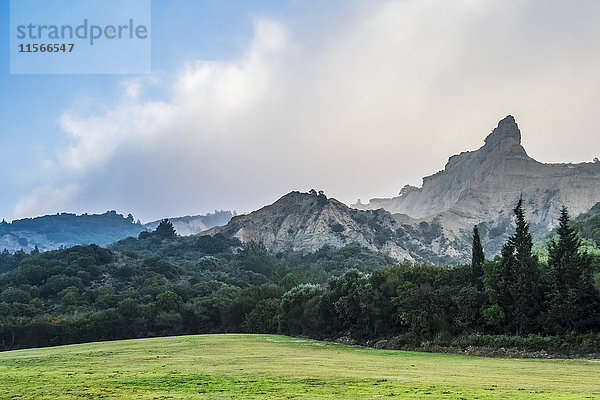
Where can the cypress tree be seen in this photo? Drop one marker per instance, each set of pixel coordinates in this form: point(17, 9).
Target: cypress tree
point(503, 292)
point(520, 297)
point(572, 299)
point(477, 259)
point(165, 230)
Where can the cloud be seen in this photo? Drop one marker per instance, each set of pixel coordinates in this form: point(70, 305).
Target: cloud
point(132, 88)
point(44, 198)
point(358, 107)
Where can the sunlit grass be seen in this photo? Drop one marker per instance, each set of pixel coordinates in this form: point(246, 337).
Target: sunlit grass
point(279, 367)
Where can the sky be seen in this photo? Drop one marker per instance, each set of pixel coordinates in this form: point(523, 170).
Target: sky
point(248, 100)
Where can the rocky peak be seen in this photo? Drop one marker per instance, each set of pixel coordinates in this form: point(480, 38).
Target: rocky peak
point(503, 143)
point(507, 129)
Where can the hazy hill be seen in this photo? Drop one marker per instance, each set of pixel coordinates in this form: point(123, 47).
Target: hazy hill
point(588, 225)
point(51, 232)
point(190, 225)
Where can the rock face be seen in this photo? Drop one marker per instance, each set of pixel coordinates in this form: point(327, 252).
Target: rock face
point(482, 186)
point(306, 222)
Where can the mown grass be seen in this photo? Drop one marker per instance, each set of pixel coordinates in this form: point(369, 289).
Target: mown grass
point(279, 367)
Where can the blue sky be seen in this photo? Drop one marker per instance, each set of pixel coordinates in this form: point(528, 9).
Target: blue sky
point(248, 100)
point(30, 105)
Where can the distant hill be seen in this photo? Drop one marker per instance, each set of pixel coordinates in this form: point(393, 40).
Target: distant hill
point(51, 232)
point(191, 225)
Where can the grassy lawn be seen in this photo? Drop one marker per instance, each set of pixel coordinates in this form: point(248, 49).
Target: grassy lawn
point(279, 367)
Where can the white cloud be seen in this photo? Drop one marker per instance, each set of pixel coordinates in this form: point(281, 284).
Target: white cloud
point(357, 108)
point(132, 88)
point(45, 198)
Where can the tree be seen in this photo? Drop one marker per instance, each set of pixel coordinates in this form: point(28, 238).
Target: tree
point(264, 318)
point(255, 257)
point(165, 230)
point(7, 261)
point(343, 298)
point(14, 295)
point(169, 301)
point(321, 198)
point(299, 310)
point(69, 297)
point(572, 300)
point(512, 284)
point(520, 290)
point(477, 259)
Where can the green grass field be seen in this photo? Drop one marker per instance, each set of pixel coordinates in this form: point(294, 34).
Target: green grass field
point(279, 367)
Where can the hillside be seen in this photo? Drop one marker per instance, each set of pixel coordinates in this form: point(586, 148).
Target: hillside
point(153, 286)
point(588, 225)
point(51, 232)
point(307, 222)
point(277, 367)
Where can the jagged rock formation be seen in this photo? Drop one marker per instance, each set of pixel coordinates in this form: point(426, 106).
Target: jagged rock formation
point(482, 186)
point(306, 222)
